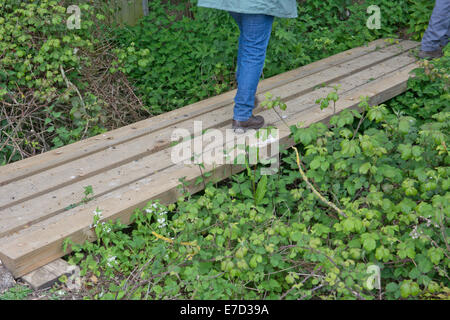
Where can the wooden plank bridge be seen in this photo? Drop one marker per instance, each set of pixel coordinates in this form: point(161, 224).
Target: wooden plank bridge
point(132, 165)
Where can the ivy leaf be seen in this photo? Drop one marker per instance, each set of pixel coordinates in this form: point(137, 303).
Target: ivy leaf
point(414, 273)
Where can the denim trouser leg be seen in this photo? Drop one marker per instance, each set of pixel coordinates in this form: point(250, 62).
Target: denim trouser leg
point(254, 37)
point(438, 28)
point(445, 40)
point(238, 18)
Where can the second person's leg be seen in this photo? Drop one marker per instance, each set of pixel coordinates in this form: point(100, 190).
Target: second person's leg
point(437, 29)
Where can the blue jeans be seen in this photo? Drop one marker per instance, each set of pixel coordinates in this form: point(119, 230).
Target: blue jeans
point(254, 37)
point(438, 31)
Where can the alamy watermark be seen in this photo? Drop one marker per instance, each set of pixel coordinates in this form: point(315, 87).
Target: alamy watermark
point(74, 21)
point(374, 21)
point(218, 147)
point(374, 280)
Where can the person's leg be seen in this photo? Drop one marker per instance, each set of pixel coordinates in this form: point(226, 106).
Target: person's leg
point(254, 38)
point(238, 19)
point(438, 26)
point(446, 39)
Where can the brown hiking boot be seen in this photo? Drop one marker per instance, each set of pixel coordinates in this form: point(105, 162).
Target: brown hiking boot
point(430, 54)
point(255, 122)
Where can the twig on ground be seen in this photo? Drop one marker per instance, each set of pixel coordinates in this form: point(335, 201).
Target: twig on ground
point(305, 178)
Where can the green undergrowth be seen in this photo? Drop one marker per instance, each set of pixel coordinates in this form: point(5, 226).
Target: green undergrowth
point(18, 292)
point(59, 85)
point(55, 88)
point(176, 61)
point(44, 101)
point(368, 193)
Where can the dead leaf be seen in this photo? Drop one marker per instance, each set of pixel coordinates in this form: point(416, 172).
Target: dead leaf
point(93, 279)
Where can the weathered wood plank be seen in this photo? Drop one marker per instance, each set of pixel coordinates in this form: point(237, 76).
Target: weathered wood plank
point(41, 162)
point(49, 204)
point(45, 276)
point(80, 169)
point(41, 243)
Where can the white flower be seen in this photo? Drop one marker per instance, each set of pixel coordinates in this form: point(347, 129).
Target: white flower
point(414, 234)
point(161, 220)
point(93, 225)
point(106, 228)
point(110, 260)
point(97, 213)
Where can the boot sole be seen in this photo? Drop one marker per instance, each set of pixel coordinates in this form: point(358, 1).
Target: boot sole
point(244, 129)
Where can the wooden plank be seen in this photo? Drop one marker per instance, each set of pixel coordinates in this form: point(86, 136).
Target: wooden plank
point(47, 275)
point(49, 204)
point(6, 279)
point(42, 242)
point(69, 173)
point(35, 185)
point(36, 209)
point(41, 162)
point(130, 11)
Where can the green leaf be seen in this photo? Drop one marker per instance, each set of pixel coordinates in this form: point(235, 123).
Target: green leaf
point(435, 255)
point(404, 126)
point(261, 189)
point(315, 163)
point(295, 236)
point(382, 253)
point(423, 263)
point(364, 168)
point(414, 288)
point(369, 242)
point(405, 289)
point(391, 287)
